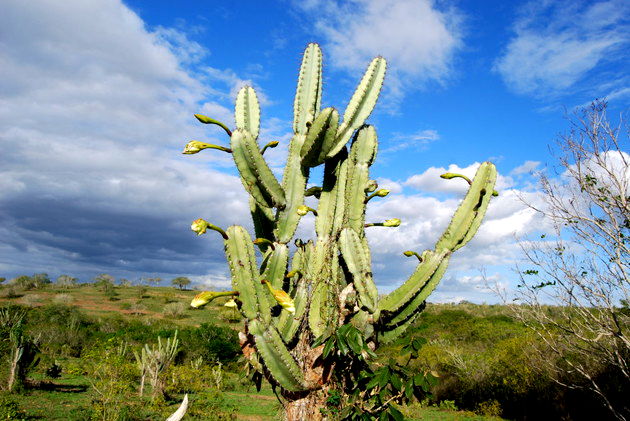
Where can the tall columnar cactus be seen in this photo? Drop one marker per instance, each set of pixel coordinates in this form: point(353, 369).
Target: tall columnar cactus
point(292, 304)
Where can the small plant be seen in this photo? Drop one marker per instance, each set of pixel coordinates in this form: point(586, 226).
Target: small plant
point(32, 300)
point(63, 299)
point(153, 362)
point(174, 310)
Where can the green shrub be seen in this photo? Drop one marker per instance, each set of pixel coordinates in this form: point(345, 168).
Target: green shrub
point(9, 408)
point(174, 310)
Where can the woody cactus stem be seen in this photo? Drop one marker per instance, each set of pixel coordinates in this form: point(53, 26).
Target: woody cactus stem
point(327, 282)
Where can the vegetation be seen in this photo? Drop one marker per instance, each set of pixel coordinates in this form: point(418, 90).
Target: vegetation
point(313, 325)
point(583, 265)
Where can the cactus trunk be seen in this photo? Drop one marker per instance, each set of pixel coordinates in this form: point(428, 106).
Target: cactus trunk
point(312, 312)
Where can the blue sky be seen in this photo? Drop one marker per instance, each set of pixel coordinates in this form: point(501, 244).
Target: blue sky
point(97, 97)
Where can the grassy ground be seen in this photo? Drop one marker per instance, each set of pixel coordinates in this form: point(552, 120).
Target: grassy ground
point(70, 397)
point(134, 302)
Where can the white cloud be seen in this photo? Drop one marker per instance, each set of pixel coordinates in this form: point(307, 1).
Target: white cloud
point(420, 138)
point(417, 37)
point(556, 44)
point(526, 168)
point(94, 111)
point(430, 181)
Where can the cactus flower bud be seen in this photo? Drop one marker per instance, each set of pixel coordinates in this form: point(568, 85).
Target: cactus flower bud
point(303, 210)
point(394, 222)
point(271, 144)
point(194, 146)
point(281, 297)
point(230, 303)
point(199, 226)
point(205, 297)
point(410, 253)
point(371, 186)
point(382, 192)
point(202, 299)
point(207, 120)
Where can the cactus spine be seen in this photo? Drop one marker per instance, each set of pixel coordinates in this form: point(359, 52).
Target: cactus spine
point(329, 279)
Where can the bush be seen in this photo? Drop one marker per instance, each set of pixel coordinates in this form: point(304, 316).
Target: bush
point(9, 292)
point(32, 300)
point(9, 408)
point(213, 343)
point(175, 310)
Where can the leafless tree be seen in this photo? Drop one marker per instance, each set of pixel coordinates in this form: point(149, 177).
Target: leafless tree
point(574, 286)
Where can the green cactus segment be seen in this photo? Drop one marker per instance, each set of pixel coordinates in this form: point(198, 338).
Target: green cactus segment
point(308, 95)
point(471, 211)
point(276, 265)
point(340, 192)
point(407, 311)
point(356, 255)
point(288, 324)
point(294, 182)
point(329, 198)
point(421, 276)
point(322, 315)
point(322, 132)
point(391, 335)
point(263, 220)
point(241, 258)
point(361, 104)
point(256, 176)
point(247, 113)
point(276, 357)
point(362, 154)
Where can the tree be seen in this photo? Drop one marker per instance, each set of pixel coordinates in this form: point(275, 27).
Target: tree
point(313, 325)
point(582, 267)
point(181, 282)
point(66, 281)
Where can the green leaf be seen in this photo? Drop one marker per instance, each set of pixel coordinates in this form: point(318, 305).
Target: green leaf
point(396, 414)
point(396, 381)
point(374, 382)
point(328, 347)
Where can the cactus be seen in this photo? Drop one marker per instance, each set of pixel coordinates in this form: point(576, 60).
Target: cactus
point(327, 283)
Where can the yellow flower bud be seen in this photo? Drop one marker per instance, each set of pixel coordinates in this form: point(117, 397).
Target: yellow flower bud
point(199, 226)
point(230, 303)
point(394, 222)
point(194, 146)
point(281, 297)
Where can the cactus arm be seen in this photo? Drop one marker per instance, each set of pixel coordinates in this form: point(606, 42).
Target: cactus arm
point(362, 154)
point(329, 199)
point(471, 211)
point(256, 176)
point(288, 324)
point(241, 258)
point(309, 89)
point(404, 293)
point(323, 130)
point(391, 335)
point(412, 306)
point(294, 182)
point(263, 220)
point(247, 112)
point(356, 255)
point(277, 358)
point(361, 104)
point(276, 266)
